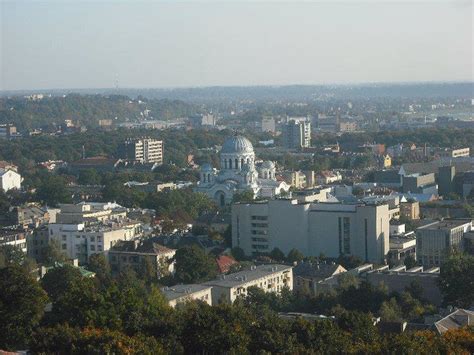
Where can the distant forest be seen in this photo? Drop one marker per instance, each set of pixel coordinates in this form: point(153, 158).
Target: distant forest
point(288, 92)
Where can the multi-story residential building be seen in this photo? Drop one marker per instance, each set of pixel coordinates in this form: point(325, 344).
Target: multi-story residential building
point(184, 293)
point(270, 278)
point(436, 240)
point(307, 275)
point(13, 237)
point(143, 150)
point(332, 229)
point(328, 177)
point(297, 134)
point(7, 130)
point(140, 255)
point(85, 229)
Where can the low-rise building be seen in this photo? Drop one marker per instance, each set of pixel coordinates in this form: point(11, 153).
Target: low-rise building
point(328, 177)
point(140, 256)
point(307, 276)
point(184, 293)
point(270, 278)
point(398, 279)
point(458, 319)
point(296, 179)
point(10, 179)
point(410, 210)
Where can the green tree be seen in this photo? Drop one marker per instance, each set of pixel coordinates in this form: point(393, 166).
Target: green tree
point(52, 191)
point(99, 264)
point(410, 262)
point(53, 254)
point(22, 303)
point(238, 253)
point(58, 280)
point(89, 177)
point(457, 280)
point(194, 265)
point(294, 255)
point(11, 254)
point(277, 255)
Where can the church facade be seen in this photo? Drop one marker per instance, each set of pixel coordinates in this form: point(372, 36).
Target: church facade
point(239, 173)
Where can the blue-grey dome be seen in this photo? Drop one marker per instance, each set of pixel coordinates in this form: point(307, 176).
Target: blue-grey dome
point(206, 167)
point(237, 144)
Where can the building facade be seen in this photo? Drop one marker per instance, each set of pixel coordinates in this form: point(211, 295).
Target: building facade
point(143, 150)
point(297, 134)
point(9, 180)
point(436, 240)
point(185, 293)
point(270, 278)
point(332, 229)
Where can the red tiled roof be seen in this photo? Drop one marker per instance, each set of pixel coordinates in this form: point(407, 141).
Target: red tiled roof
point(224, 263)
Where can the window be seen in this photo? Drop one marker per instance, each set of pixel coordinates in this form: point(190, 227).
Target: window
point(64, 246)
point(347, 235)
point(99, 248)
point(92, 239)
point(92, 247)
point(99, 238)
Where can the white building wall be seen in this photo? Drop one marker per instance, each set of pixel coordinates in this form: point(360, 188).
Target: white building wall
point(10, 180)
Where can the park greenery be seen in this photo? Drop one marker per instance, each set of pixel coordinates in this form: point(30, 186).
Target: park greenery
point(128, 315)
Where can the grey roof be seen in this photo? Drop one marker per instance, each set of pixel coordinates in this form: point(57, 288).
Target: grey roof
point(242, 277)
point(457, 319)
point(317, 271)
point(433, 166)
point(178, 291)
point(446, 224)
point(237, 144)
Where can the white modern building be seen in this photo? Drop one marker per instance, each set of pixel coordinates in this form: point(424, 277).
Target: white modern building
point(270, 278)
point(13, 237)
point(9, 179)
point(332, 229)
point(239, 173)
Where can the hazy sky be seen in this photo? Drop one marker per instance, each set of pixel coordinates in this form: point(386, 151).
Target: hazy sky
point(91, 44)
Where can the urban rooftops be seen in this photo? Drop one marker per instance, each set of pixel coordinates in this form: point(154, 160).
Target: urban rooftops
point(178, 291)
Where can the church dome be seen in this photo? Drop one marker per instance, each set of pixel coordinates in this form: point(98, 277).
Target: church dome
point(206, 167)
point(268, 165)
point(237, 145)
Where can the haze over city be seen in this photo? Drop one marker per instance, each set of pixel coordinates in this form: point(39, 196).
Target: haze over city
point(65, 44)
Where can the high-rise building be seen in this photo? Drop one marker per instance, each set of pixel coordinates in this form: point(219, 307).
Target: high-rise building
point(331, 229)
point(297, 134)
point(143, 150)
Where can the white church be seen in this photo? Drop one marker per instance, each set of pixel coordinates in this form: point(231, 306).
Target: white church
point(239, 173)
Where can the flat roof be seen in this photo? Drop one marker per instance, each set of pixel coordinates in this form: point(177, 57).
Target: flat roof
point(446, 224)
point(245, 276)
point(178, 291)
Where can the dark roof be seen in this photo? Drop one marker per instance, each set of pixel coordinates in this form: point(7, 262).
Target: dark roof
point(316, 271)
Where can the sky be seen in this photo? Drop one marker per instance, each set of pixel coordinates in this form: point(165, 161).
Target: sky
point(156, 44)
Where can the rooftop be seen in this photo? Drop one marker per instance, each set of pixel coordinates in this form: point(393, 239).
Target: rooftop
point(242, 277)
point(446, 224)
point(178, 291)
point(457, 319)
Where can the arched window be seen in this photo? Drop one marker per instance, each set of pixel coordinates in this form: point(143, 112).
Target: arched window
point(225, 163)
point(208, 177)
point(242, 162)
point(236, 163)
point(203, 177)
point(230, 163)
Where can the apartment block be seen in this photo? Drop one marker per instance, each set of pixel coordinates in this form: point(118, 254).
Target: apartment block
point(184, 293)
point(143, 150)
point(270, 278)
point(297, 134)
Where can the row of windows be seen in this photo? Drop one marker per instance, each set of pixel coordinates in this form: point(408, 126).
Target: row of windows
point(91, 238)
point(256, 239)
point(261, 247)
point(260, 225)
point(259, 232)
point(259, 218)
